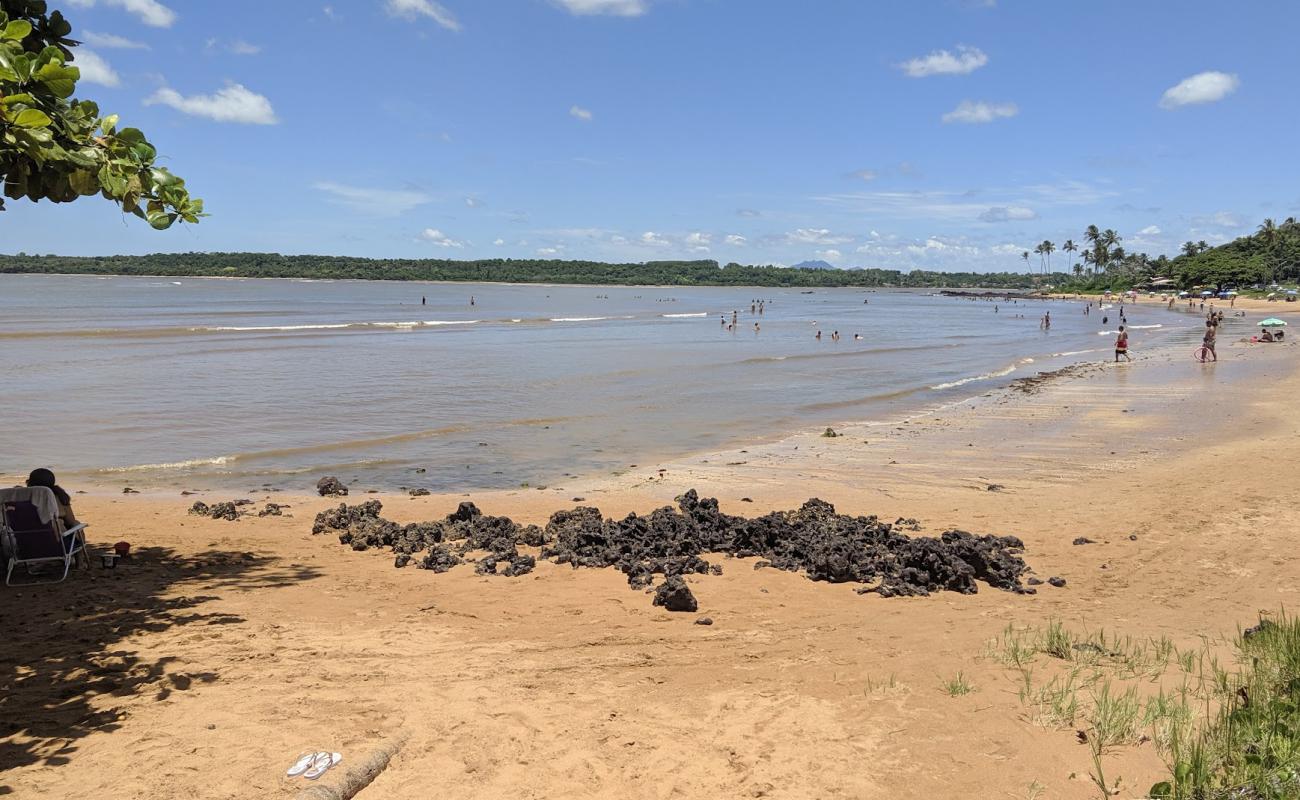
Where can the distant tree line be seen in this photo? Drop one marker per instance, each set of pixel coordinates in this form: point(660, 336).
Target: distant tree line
point(502, 270)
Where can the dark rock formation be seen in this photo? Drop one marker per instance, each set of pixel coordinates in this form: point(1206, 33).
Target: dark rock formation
point(674, 595)
point(671, 542)
point(330, 486)
point(271, 510)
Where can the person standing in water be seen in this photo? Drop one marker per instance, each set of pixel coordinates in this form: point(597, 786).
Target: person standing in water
point(471, 299)
point(1211, 333)
point(1121, 345)
point(424, 301)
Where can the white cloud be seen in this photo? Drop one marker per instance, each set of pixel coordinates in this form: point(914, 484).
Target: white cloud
point(654, 239)
point(499, 242)
point(1203, 87)
point(1150, 230)
point(614, 8)
point(965, 205)
point(410, 9)
point(941, 62)
point(234, 103)
point(381, 202)
point(329, 12)
point(816, 236)
point(94, 69)
point(473, 202)
point(977, 113)
point(735, 240)
point(577, 112)
point(867, 175)
point(1219, 219)
point(828, 255)
point(548, 251)
point(242, 48)
point(1008, 214)
point(698, 239)
point(112, 41)
point(150, 12)
point(436, 237)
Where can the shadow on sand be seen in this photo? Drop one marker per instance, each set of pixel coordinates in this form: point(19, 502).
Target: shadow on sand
point(62, 653)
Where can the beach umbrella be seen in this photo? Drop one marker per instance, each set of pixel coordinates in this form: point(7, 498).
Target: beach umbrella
point(1207, 294)
point(1184, 294)
point(1272, 322)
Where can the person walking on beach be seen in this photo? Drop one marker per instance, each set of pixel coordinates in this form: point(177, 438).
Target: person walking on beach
point(1211, 333)
point(1121, 345)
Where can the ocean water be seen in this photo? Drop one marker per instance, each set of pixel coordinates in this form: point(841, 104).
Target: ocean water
point(195, 383)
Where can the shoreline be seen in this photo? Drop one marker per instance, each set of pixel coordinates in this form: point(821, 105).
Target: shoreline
point(983, 388)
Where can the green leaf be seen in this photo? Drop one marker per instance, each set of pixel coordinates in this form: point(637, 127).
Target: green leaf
point(83, 182)
point(61, 80)
point(108, 124)
point(1161, 791)
point(31, 118)
point(17, 30)
point(17, 98)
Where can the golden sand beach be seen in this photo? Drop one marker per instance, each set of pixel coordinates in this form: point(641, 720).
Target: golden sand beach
point(204, 665)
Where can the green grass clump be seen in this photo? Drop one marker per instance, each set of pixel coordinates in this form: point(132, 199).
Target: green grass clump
point(1249, 747)
point(957, 685)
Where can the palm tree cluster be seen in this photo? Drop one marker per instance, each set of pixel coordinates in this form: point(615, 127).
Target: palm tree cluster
point(1102, 255)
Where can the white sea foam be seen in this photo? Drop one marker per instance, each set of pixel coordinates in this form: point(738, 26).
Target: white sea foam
point(1002, 373)
point(194, 462)
point(578, 319)
point(683, 316)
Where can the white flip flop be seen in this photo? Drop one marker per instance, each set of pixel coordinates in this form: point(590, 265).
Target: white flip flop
point(304, 761)
point(321, 765)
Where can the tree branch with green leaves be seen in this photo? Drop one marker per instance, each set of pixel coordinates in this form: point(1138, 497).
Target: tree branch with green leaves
point(58, 148)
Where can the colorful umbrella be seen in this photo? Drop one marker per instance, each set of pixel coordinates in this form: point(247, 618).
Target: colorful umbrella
point(1272, 322)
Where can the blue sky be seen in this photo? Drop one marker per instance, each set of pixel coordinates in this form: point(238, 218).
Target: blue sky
point(950, 134)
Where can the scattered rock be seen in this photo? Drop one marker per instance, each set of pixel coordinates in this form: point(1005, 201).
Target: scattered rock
point(129, 490)
point(1035, 581)
point(199, 509)
point(829, 433)
point(704, 621)
point(331, 487)
point(1057, 582)
point(272, 510)
point(519, 565)
point(401, 560)
point(995, 487)
point(419, 492)
point(674, 595)
point(579, 499)
point(420, 470)
point(486, 566)
point(243, 502)
point(226, 511)
point(1132, 537)
point(746, 500)
point(1083, 540)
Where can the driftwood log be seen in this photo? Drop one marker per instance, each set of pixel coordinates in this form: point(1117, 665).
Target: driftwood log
point(357, 776)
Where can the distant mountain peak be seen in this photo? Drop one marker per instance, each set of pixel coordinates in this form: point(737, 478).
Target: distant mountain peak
point(813, 265)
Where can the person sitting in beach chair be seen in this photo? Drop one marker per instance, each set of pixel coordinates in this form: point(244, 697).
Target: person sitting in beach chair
point(37, 526)
point(1266, 336)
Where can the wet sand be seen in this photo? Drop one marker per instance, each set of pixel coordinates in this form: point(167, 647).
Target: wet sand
point(206, 664)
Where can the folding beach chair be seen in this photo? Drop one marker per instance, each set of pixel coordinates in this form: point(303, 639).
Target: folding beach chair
point(33, 533)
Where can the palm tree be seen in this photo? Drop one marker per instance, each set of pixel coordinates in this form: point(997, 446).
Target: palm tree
point(1070, 247)
point(1201, 246)
point(1088, 261)
point(1049, 248)
point(1189, 248)
point(1268, 235)
point(1038, 251)
point(1025, 256)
